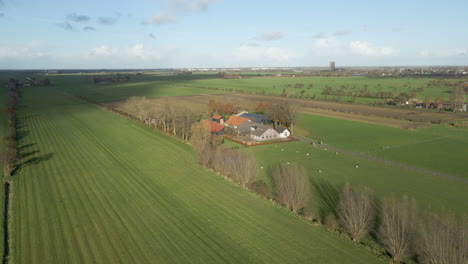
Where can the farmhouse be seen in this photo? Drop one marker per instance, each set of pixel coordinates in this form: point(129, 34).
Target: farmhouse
point(257, 131)
point(214, 128)
point(282, 132)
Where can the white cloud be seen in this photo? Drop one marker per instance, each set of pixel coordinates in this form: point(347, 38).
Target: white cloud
point(103, 51)
point(161, 18)
point(334, 46)
point(32, 49)
point(139, 51)
point(366, 48)
point(270, 36)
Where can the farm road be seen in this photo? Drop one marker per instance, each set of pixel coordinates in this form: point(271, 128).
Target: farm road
point(308, 141)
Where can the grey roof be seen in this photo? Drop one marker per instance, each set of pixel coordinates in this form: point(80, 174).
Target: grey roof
point(280, 129)
point(246, 128)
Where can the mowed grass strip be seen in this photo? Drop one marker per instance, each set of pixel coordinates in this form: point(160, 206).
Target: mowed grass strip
point(102, 189)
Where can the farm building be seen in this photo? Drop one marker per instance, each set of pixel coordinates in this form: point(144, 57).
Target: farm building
point(257, 131)
point(214, 128)
point(256, 118)
point(235, 121)
point(218, 119)
point(282, 132)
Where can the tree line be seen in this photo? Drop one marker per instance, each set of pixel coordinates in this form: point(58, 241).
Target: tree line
point(238, 166)
point(10, 155)
point(169, 119)
point(398, 228)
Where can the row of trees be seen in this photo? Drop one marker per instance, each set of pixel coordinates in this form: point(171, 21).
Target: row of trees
point(173, 120)
point(10, 154)
point(398, 228)
point(238, 166)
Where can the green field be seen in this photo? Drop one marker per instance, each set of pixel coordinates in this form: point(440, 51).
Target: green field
point(275, 86)
point(157, 85)
point(97, 188)
point(337, 169)
point(145, 85)
point(442, 149)
point(3, 125)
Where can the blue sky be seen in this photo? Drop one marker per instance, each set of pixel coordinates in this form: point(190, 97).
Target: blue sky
point(38, 34)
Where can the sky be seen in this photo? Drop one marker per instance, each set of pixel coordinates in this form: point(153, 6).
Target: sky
point(118, 34)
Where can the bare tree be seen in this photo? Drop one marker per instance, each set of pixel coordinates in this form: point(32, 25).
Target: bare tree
point(186, 120)
point(457, 98)
point(443, 240)
point(291, 185)
point(202, 143)
point(398, 228)
point(427, 102)
point(355, 212)
point(246, 168)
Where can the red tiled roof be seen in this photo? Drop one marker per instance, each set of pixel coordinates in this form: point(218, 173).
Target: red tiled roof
point(236, 120)
point(216, 116)
point(214, 127)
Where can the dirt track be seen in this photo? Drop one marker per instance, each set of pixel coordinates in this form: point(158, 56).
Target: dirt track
point(386, 116)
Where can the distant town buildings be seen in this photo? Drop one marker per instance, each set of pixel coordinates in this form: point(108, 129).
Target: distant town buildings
point(332, 66)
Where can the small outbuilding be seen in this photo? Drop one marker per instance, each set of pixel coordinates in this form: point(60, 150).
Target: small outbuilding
point(218, 119)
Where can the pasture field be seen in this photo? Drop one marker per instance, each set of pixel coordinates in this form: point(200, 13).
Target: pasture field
point(157, 84)
point(98, 188)
point(443, 149)
point(430, 191)
point(3, 126)
point(144, 85)
point(275, 86)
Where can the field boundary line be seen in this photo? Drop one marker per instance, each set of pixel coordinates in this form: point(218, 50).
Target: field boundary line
point(433, 173)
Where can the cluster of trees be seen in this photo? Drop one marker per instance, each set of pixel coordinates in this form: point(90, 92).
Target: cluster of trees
point(457, 98)
point(400, 230)
point(238, 166)
point(221, 108)
point(10, 155)
point(283, 113)
point(177, 121)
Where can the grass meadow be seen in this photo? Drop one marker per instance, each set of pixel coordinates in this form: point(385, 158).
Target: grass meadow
point(329, 171)
point(437, 148)
point(156, 85)
point(3, 126)
point(97, 188)
point(275, 86)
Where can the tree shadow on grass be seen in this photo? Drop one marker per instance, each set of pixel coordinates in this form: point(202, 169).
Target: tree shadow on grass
point(32, 161)
point(328, 196)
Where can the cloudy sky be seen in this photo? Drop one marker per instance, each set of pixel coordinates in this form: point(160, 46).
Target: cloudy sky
point(38, 34)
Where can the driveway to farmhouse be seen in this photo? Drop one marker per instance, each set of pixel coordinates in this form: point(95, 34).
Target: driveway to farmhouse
point(315, 143)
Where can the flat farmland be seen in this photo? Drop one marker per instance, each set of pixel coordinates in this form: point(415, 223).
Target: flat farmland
point(442, 149)
point(3, 126)
point(97, 188)
point(329, 171)
point(145, 85)
point(314, 86)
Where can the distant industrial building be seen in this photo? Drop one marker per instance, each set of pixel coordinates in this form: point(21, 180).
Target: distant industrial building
point(332, 66)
